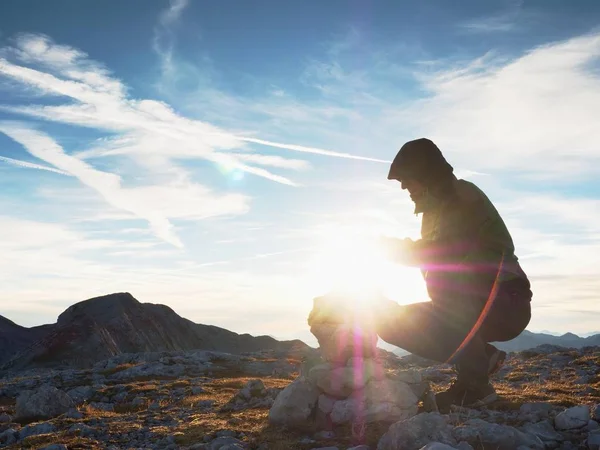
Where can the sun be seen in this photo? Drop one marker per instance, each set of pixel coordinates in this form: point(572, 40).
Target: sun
point(353, 263)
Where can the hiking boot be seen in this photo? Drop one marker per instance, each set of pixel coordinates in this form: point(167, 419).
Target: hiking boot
point(496, 359)
point(470, 395)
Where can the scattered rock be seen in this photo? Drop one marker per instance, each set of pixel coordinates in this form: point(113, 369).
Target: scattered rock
point(534, 412)
point(437, 446)
point(45, 403)
point(81, 394)
point(500, 437)
point(294, 405)
point(416, 432)
point(593, 440)
point(543, 430)
point(35, 429)
point(252, 395)
point(8, 437)
point(55, 447)
point(596, 413)
point(572, 418)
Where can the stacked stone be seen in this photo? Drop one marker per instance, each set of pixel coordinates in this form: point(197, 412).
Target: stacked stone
point(350, 384)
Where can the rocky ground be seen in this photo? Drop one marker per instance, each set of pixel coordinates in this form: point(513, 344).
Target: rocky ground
point(217, 401)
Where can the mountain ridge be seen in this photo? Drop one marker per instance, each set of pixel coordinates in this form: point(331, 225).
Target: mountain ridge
point(105, 326)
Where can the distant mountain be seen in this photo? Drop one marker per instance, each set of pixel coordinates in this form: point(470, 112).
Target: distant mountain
point(101, 327)
point(14, 337)
point(528, 339)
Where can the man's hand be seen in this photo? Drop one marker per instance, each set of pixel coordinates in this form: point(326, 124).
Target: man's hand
point(398, 250)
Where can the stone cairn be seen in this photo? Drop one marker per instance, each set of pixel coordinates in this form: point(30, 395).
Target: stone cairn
point(349, 384)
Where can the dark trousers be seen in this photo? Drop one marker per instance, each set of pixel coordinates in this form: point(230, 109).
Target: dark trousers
point(436, 330)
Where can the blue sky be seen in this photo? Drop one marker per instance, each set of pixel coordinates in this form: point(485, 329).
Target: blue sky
point(229, 159)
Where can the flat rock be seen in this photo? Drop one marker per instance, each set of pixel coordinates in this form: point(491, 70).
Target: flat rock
point(593, 440)
point(492, 435)
point(35, 429)
point(416, 432)
point(544, 430)
point(572, 418)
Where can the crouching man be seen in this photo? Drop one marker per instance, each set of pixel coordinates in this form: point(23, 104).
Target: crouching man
point(479, 292)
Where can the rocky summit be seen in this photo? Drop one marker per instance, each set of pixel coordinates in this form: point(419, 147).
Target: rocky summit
point(212, 400)
point(114, 373)
point(102, 327)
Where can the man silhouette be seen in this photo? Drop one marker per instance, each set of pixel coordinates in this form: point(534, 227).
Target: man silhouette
point(478, 290)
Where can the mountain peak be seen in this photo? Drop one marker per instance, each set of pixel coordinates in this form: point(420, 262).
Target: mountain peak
point(570, 336)
point(101, 309)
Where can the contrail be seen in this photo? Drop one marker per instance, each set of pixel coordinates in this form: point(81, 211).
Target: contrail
point(317, 151)
point(17, 162)
point(300, 148)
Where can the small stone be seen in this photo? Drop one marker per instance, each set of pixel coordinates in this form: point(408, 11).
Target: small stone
point(437, 446)
point(326, 403)
point(226, 443)
point(596, 413)
point(416, 432)
point(572, 418)
point(324, 435)
point(226, 433)
point(8, 437)
point(345, 411)
point(36, 429)
point(197, 390)
point(534, 412)
point(544, 430)
point(5, 418)
point(74, 414)
point(592, 425)
point(593, 440)
point(463, 445)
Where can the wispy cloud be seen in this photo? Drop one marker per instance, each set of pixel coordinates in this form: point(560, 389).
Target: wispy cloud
point(28, 165)
point(147, 131)
point(152, 203)
point(534, 114)
point(164, 36)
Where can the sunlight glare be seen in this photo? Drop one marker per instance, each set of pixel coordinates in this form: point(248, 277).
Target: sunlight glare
point(353, 264)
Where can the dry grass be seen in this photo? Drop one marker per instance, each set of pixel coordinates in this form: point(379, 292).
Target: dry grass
point(119, 368)
point(41, 441)
point(144, 387)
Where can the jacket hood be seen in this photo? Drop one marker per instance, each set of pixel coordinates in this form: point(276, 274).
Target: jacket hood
point(421, 160)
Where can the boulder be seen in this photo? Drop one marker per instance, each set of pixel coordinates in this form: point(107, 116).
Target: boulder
point(572, 418)
point(294, 405)
point(45, 403)
point(416, 432)
point(495, 436)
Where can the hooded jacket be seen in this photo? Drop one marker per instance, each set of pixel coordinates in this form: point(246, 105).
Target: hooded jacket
point(465, 245)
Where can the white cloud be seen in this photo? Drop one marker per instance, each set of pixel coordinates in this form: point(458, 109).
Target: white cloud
point(28, 165)
point(164, 36)
point(535, 114)
point(153, 203)
point(149, 132)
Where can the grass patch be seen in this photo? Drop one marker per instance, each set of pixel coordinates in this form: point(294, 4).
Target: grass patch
point(119, 368)
point(41, 441)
